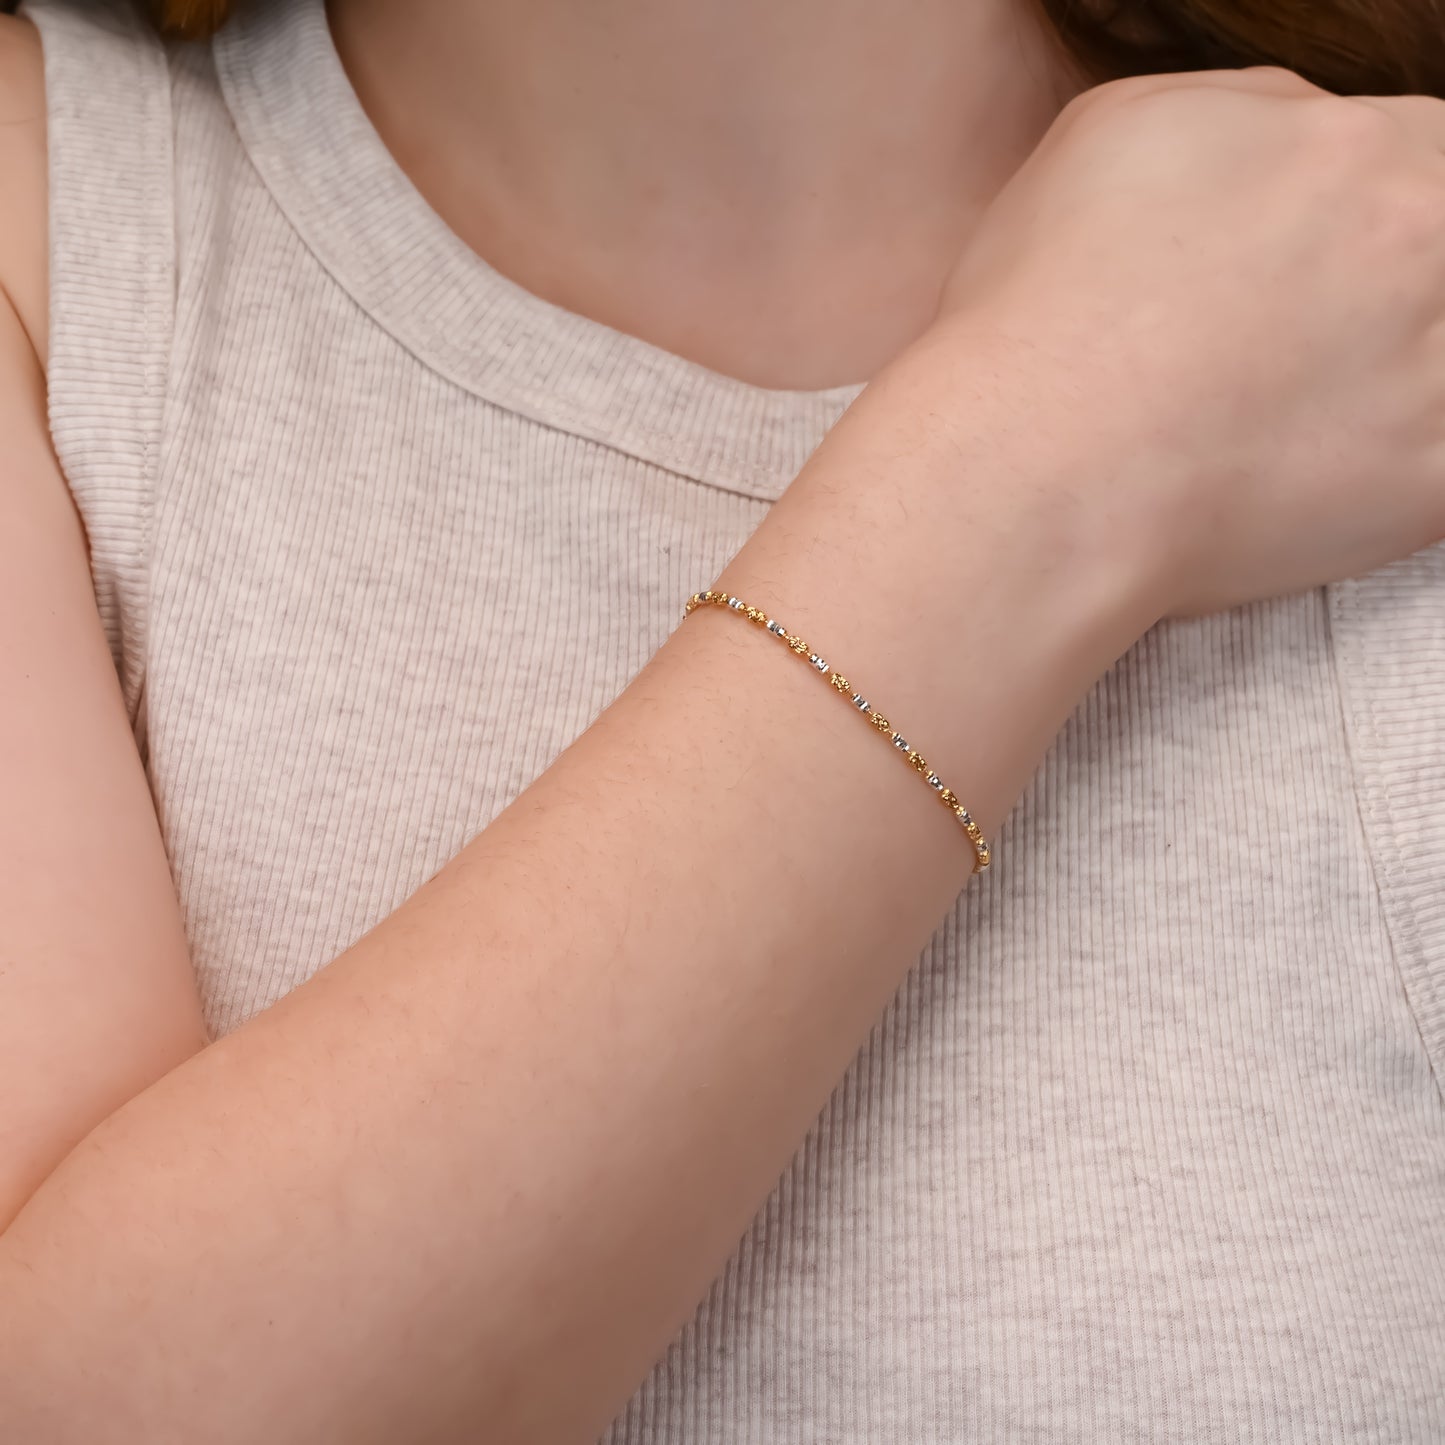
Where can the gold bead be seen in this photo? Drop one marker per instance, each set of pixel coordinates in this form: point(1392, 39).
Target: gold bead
point(880, 722)
point(840, 682)
point(918, 761)
point(798, 645)
point(948, 799)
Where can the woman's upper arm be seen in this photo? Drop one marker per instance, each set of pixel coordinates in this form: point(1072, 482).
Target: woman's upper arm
point(97, 994)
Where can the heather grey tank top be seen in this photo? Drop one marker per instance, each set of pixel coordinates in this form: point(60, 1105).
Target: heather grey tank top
point(1151, 1144)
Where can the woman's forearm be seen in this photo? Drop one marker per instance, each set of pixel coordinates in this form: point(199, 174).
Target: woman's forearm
point(467, 1181)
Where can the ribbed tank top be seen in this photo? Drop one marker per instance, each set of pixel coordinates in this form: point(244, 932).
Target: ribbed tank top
point(1151, 1144)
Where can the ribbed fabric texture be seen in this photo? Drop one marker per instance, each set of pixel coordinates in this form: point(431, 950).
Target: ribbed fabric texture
point(110, 433)
point(1151, 1144)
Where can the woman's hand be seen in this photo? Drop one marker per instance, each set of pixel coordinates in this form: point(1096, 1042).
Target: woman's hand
point(1238, 280)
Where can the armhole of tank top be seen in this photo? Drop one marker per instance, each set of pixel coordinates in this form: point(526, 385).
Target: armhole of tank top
point(112, 295)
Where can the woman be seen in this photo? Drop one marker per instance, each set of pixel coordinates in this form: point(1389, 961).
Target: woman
point(424, 950)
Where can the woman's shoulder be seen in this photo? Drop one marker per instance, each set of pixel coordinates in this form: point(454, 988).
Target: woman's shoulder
point(23, 188)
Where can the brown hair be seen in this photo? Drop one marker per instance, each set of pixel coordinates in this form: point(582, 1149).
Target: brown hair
point(192, 18)
point(1353, 47)
point(1369, 47)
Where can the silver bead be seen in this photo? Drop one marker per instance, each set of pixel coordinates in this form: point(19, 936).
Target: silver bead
point(859, 702)
point(900, 742)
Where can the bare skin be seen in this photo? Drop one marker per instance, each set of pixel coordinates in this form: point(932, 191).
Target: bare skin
point(219, 1242)
point(92, 933)
point(605, 157)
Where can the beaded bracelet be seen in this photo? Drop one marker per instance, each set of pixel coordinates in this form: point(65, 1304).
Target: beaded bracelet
point(983, 854)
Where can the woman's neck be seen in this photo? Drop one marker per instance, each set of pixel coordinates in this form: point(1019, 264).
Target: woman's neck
point(773, 188)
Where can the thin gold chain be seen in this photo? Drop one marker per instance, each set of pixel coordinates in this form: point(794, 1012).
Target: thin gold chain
point(982, 853)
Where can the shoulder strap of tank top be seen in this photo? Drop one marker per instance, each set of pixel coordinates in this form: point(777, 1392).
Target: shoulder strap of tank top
point(112, 284)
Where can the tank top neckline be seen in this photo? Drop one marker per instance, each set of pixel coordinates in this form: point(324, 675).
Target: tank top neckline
point(315, 148)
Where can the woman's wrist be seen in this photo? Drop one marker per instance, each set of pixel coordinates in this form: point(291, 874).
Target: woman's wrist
point(956, 552)
point(1079, 469)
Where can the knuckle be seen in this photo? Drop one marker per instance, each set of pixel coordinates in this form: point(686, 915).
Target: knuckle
point(1126, 87)
point(1279, 79)
point(1409, 214)
point(1362, 155)
point(1111, 93)
point(1338, 127)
